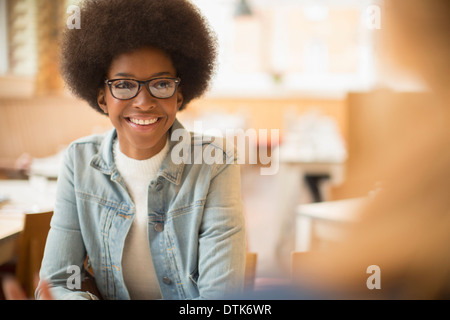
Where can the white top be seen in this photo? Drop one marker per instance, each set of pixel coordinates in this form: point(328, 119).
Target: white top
point(137, 266)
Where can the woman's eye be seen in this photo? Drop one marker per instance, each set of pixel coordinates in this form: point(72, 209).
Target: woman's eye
point(163, 84)
point(124, 84)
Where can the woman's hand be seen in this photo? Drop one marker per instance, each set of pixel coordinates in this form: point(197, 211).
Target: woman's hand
point(13, 291)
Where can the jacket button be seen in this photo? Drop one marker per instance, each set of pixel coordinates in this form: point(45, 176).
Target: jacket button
point(159, 227)
point(167, 280)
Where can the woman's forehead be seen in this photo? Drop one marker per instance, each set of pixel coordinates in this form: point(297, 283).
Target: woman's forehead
point(143, 63)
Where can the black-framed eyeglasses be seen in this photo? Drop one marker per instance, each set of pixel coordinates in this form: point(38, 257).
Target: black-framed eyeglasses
point(126, 89)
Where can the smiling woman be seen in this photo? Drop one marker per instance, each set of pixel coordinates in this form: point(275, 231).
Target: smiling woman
point(148, 227)
point(142, 120)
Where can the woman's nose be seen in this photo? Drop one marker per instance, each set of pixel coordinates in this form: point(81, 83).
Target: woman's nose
point(144, 100)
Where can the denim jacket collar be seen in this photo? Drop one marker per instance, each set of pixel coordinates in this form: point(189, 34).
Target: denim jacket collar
point(104, 159)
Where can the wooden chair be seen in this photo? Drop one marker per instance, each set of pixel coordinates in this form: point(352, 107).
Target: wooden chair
point(31, 249)
point(250, 271)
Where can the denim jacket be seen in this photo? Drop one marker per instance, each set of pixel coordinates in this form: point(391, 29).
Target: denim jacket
point(196, 228)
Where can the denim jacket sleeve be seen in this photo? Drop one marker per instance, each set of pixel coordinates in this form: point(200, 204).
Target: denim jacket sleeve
point(64, 245)
point(222, 237)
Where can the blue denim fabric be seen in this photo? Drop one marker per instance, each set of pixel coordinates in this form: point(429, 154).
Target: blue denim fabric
point(195, 223)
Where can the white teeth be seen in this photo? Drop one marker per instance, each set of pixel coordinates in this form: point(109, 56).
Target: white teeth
point(144, 122)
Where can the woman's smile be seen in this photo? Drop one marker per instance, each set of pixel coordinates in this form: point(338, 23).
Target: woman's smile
point(143, 122)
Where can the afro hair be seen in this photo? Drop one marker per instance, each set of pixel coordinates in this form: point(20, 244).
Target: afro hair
point(112, 27)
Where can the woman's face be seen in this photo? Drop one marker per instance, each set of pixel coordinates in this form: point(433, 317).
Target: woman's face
point(142, 123)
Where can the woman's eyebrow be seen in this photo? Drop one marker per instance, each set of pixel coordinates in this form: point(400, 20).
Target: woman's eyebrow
point(159, 74)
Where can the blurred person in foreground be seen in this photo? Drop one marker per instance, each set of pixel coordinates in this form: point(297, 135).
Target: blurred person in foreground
point(404, 229)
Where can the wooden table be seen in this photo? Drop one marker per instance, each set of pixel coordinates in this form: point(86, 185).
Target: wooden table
point(10, 228)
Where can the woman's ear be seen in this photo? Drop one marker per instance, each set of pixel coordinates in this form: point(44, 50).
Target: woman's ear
point(180, 99)
point(101, 100)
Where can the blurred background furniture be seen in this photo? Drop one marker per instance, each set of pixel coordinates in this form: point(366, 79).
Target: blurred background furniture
point(31, 249)
point(320, 223)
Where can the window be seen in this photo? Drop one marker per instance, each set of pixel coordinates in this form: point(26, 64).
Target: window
point(288, 47)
